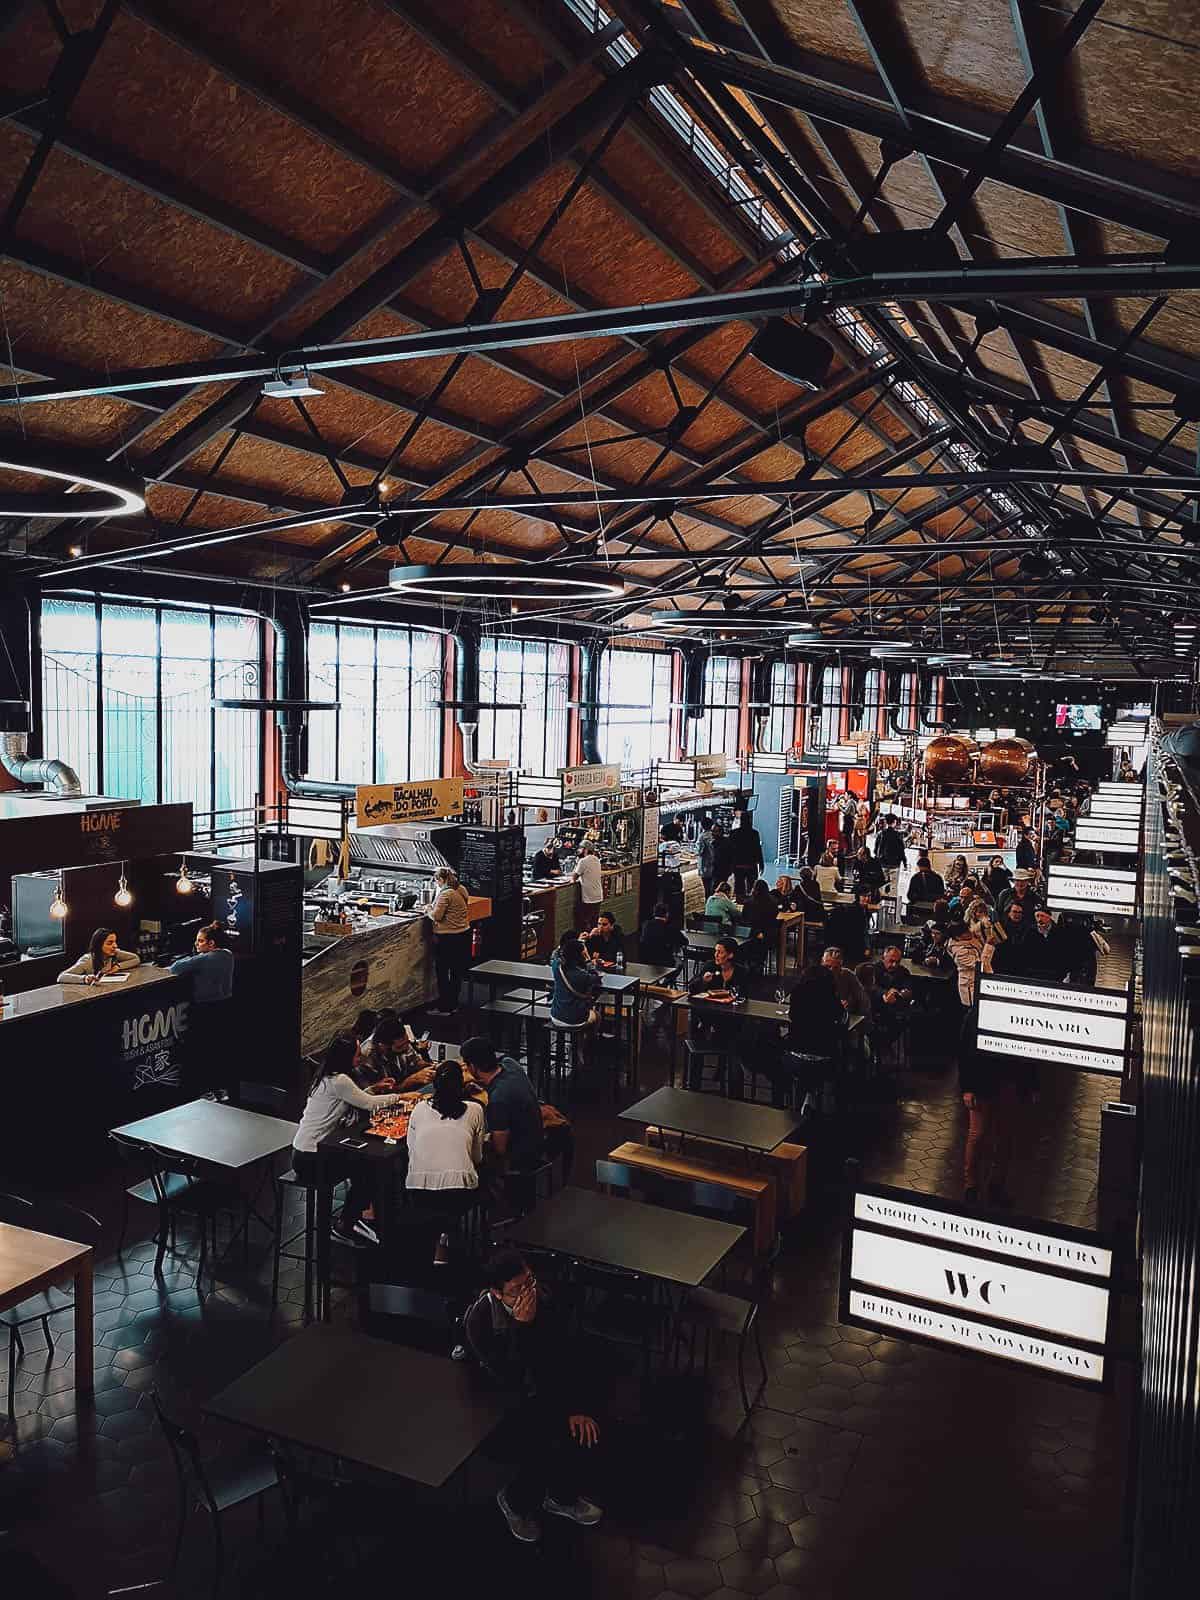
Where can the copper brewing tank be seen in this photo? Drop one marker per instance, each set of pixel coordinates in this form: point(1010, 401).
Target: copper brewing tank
point(948, 758)
point(1004, 761)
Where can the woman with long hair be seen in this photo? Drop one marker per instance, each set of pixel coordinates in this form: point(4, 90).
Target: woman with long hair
point(103, 958)
point(445, 1149)
point(451, 940)
point(334, 1098)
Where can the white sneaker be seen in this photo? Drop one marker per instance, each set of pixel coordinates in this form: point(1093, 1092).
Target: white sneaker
point(366, 1231)
point(585, 1512)
point(527, 1529)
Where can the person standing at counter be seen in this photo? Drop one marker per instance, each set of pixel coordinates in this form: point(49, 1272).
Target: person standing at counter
point(210, 967)
point(546, 861)
point(707, 850)
point(103, 958)
point(590, 878)
point(746, 853)
point(452, 940)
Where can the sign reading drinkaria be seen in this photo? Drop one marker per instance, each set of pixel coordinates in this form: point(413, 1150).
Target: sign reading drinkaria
point(1016, 1290)
point(1083, 1028)
point(377, 803)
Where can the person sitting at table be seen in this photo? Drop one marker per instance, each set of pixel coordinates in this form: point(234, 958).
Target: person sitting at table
point(848, 927)
point(516, 1333)
point(576, 984)
point(516, 1139)
point(660, 944)
point(726, 972)
point(605, 943)
point(103, 958)
point(849, 990)
point(333, 1098)
point(816, 1027)
point(393, 1056)
point(934, 952)
point(546, 861)
point(996, 879)
point(445, 1151)
point(957, 874)
point(925, 886)
point(762, 918)
point(893, 995)
point(806, 896)
point(828, 857)
point(721, 903)
point(866, 873)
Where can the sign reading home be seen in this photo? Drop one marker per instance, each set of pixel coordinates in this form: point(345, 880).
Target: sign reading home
point(376, 803)
point(582, 783)
point(1111, 891)
point(917, 1268)
point(1087, 1029)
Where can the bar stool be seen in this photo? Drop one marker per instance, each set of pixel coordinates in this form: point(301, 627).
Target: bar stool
point(697, 1056)
point(286, 1183)
point(562, 1051)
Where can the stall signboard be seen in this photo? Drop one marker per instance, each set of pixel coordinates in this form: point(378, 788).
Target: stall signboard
point(377, 803)
point(1118, 837)
point(844, 755)
point(891, 747)
point(585, 783)
point(1087, 1029)
point(1126, 733)
point(77, 836)
point(1013, 1289)
point(711, 766)
point(1110, 891)
point(650, 834)
point(1113, 801)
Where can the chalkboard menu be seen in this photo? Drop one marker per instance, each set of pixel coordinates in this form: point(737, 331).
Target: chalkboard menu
point(492, 861)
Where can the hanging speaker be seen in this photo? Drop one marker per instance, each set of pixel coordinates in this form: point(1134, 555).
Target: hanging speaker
point(791, 352)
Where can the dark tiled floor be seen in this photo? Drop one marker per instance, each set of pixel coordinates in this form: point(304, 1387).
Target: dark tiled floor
point(869, 1467)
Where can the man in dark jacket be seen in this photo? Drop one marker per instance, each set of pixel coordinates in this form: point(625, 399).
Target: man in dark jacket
point(746, 855)
point(847, 927)
point(659, 944)
point(1013, 955)
point(515, 1333)
point(866, 873)
point(889, 846)
point(925, 886)
point(1026, 852)
point(1045, 953)
point(994, 1087)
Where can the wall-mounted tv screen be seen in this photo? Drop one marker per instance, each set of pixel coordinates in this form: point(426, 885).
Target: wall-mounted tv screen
point(1077, 719)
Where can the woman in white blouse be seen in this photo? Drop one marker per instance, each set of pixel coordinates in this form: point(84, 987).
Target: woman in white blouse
point(103, 958)
point(445, 1149)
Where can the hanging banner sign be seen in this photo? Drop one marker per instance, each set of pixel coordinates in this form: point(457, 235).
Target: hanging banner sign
point(1117, 836)
point(1072, 1027)
point(1126, 733)
point(1016, 1291)
point(711, 766)
point(1110, 891)
point(584, 783)
point(377, 803)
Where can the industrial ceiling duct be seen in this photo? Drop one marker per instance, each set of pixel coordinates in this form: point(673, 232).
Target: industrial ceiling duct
point(16, 701)
point(792, 352)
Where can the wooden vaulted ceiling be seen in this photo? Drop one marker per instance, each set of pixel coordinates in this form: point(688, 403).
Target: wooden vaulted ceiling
point(210, 179)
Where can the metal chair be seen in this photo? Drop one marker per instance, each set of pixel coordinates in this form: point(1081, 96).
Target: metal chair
point(709, 1311)
point(136, 1157)
point(61, 1221)
point(255, 1096)
point(214, 1486)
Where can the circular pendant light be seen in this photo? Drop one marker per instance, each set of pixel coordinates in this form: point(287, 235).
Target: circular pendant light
point(104, 490)
point(508, 580)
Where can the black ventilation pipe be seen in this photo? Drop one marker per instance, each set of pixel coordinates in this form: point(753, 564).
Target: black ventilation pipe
point(18, 634)
point(761, 671)
point(589, 711)
point(287, 613)
point(695, 666)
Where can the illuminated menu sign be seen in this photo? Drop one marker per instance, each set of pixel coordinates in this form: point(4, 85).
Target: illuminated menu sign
point(1087, 1029)
point(1108, 890)
point(1012, 1289)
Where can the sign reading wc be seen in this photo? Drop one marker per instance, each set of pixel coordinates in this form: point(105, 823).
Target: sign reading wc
point(1012, 1289)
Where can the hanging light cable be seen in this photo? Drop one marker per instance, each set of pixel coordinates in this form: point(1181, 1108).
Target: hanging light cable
point(183, 884)
point(58, 906)
point(124, 895)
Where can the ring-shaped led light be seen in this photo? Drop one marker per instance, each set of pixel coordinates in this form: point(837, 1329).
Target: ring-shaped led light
point(514, 580)
point(106, 491)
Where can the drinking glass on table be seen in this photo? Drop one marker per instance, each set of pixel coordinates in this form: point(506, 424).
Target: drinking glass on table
point(781, 1001)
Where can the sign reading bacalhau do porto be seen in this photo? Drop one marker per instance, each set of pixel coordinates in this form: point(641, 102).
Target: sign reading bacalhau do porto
point(581, 783)
point(1109, 891)
point(1072, 1027)
point(377, 803)
point(1017, 1290)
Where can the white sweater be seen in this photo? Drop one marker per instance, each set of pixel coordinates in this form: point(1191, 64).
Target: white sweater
point(80, 971)
point(326, 1107)
point(444, 1152)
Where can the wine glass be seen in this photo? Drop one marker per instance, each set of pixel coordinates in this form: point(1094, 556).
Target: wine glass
point(781, 1001)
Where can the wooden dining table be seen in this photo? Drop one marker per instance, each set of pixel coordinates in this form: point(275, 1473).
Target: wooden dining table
point(33, 1262)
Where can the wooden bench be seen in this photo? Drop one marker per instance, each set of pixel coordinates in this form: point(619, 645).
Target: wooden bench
point(756, 1192)
point(786, 1165)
